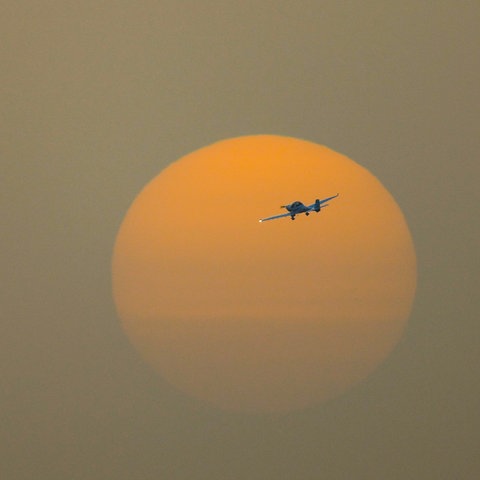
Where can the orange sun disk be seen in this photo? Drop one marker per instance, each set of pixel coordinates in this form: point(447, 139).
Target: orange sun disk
point(270, 316)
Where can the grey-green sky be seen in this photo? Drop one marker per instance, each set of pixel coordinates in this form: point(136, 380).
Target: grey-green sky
point(98, 97)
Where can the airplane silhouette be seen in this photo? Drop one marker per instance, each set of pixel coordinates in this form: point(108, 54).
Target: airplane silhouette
point(297, 208)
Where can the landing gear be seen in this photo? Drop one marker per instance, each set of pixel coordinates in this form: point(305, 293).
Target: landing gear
point(307, 214)
point(293, 217)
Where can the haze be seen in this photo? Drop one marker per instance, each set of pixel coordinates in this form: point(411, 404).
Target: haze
point(97, 98)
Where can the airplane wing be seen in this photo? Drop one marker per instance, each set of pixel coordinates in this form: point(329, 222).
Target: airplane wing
point(325, 200)
point(275, 216)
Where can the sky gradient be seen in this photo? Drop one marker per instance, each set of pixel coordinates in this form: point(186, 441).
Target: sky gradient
point(98, 98)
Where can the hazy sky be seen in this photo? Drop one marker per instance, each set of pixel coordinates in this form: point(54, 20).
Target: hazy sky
point(98, 97)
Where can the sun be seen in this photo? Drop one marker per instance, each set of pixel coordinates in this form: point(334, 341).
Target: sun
point(263, 317)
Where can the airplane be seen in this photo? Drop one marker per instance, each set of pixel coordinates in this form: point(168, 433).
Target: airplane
point(297, 207)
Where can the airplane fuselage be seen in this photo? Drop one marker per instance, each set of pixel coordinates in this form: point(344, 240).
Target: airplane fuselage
point(296, 207)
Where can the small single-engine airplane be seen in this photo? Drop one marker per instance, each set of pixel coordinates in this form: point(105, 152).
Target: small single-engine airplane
point(296, 208)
